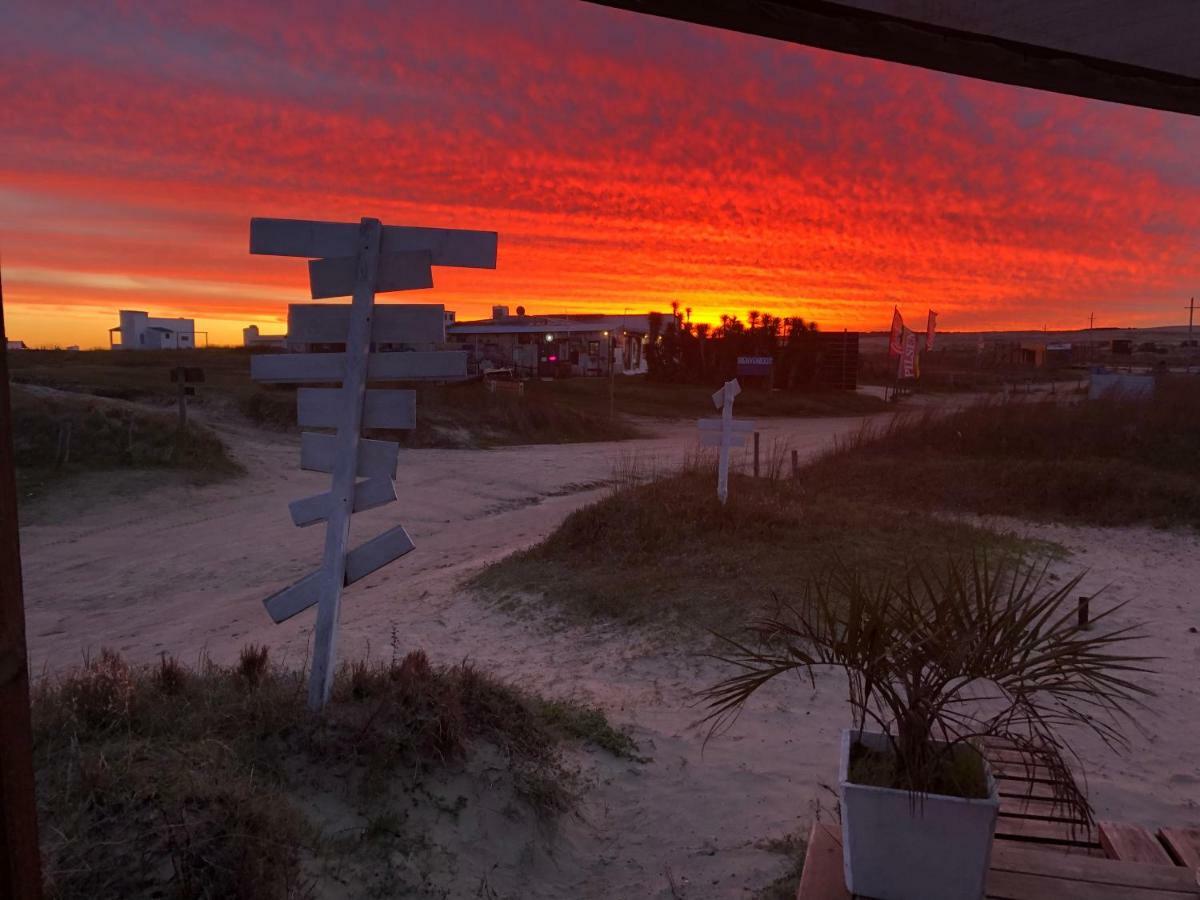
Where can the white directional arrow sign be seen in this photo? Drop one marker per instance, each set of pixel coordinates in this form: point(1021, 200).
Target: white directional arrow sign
point(357, 260)
point(725, 432)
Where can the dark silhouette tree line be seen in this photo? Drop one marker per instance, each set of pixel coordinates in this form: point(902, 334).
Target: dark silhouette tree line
point(681, 352)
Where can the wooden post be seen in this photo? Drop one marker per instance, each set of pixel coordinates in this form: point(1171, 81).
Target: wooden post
point(756, 454)
point(727, 396)
point(20, 859)
point(795, 463)
point(337, 529)
point(182, 403)
point(1083, 611)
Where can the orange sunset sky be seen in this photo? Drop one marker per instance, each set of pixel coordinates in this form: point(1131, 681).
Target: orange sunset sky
point(626, 161)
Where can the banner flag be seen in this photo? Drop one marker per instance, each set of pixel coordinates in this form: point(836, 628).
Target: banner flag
point(895, 340)
point(930, 328)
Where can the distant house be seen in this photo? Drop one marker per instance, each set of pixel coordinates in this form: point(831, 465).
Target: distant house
point(251, 337)
point(138, 331)
point(15, 345)
point(553, 345)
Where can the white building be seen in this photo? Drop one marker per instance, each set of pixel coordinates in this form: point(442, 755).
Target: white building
point(138, 331)
point(252, 337)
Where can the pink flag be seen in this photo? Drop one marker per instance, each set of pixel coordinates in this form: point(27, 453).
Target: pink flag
point(929, 330)
point(895, 341)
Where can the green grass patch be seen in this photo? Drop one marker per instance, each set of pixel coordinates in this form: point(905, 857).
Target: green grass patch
point(167, 781)
point(1096, 462)
point(666, 550)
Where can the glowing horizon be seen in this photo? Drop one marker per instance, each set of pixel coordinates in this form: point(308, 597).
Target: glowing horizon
point(626, 162)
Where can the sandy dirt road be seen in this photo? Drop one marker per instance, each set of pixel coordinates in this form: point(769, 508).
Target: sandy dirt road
point(184, 569)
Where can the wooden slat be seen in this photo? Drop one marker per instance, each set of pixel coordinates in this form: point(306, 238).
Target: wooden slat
point(1003, 885)
point(1030, 859)
point(376, 459)
point(822, 877)
point(1132, 843)
point(714, 423)
point(397, 272)
point(321, 408)
point(395, 323)
point(360, 562)
point(1043, 831)
point(1014, 756)
point(367, 495)
point(1184, 846)
point(301, 237)
point(316, 368)
point(1019, 772)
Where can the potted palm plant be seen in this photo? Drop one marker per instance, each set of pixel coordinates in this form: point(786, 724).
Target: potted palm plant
point(937, 663)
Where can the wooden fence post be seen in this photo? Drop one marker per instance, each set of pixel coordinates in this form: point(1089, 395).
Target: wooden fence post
point(756, 454)
point(20, 858)
point(795, 463)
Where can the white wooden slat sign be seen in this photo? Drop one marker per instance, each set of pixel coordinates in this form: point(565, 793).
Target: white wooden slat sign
point(397, 272)
point(368, 494)
point(724, 432)
point(407, 323)
point(319, 368)
point(322, 407)
point(358, 260)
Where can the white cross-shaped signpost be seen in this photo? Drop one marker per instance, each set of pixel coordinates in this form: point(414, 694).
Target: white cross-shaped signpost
point(357, 260)
point(724, 432)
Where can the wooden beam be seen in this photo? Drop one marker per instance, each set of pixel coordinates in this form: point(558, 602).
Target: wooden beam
point(20, 856)
point(367, 495)
point(401, 323)
point(376, 459)
point(822, 877)
point(1008, 856)
point(891, 31)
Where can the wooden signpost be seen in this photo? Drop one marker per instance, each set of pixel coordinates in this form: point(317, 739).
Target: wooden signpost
point(357, 260)
point(725, 432)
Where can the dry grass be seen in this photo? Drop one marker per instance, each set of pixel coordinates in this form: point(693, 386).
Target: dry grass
point(1101, 462)
point(56, 436)
point(166, 781)
point(666, 550)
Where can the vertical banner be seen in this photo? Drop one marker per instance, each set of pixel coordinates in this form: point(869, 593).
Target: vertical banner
point(895, 339)
point(908, 356)
point(930, 328)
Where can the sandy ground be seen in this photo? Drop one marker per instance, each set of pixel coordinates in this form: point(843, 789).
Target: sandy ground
point(184, 569)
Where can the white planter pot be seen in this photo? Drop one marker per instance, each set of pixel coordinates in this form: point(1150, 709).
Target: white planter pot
point(898, 848)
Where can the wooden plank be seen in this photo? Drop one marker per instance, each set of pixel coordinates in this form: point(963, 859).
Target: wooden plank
point(714, 423)
point(822, 877)
point(1132, 843)
point(360, 562)
point(1002, 885)
point(1184, 846)
point(1025, 790)
point(322, 408)
point(376, 459)
point(1021, 772)
point(1013, 756)
point(408, 323)
point(1033, 860)
point(377, 553)
point(301, 237)
point(367, 495)
point(1045, 832)
point(716, 439)
point(416, 365)
point(397, 272)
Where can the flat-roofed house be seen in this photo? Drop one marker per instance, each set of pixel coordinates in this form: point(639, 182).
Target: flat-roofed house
point(140, 331)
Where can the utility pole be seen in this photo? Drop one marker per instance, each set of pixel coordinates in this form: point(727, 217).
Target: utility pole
point(20, 859)
point(1091, 335)
point(1191, 308)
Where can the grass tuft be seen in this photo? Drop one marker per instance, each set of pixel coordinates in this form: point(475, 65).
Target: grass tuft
point(161, 781)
